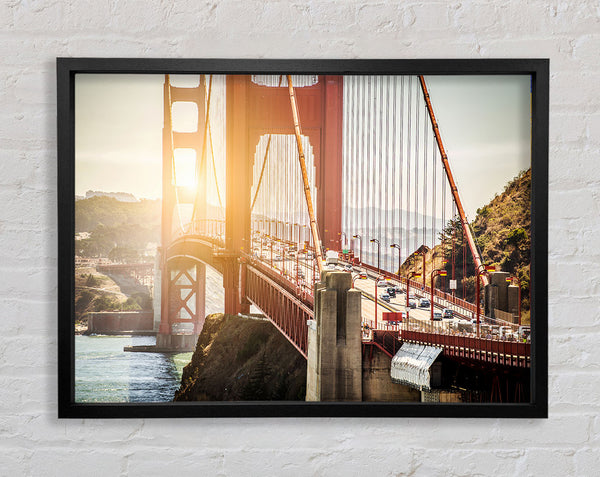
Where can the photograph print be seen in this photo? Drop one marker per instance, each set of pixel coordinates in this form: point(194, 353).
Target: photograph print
point(278, 239)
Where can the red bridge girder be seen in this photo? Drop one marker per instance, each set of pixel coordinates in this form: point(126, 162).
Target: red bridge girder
point(287, 312)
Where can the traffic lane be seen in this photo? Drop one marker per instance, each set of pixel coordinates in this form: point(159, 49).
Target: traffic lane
point(397, 304)
point(368, 285)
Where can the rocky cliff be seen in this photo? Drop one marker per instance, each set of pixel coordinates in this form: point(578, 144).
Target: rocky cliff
point(242, 359)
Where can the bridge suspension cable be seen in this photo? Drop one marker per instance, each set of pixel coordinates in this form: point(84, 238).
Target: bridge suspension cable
point(307, 195)
point(199, 166)
point(266, 155)
point(212, 152)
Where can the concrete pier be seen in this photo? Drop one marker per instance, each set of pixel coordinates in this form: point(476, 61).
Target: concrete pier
point(334, 368)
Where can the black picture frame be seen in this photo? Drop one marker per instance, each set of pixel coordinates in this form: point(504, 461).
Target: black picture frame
point(67, 68)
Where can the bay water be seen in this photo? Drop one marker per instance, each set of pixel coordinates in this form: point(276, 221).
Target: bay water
point(104, 373)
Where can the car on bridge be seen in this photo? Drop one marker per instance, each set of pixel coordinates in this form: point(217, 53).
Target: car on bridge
point(385, 297)
point(412, 302)
point(447, 313)
point(391, 292)
point(424, 303)
point(382, 284)
point(437, 316)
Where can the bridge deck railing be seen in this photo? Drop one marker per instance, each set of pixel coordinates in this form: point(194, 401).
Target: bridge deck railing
point(491, 349)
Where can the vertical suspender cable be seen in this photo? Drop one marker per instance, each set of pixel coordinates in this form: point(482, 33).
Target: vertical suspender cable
point(370, 174)
point(401, 178)
point(392, 158)
point(425, 178)
point(433, 198)
point(464, 258)
point(453, 240)
point(203, 154)
point(417, 149)
point(309, 204)
point(408, 164)
point(379, 156)
point(444, 218)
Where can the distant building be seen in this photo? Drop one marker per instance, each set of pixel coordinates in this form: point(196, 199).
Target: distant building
point(120, 196)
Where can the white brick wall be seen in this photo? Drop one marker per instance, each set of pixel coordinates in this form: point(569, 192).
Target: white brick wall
point(33, 442)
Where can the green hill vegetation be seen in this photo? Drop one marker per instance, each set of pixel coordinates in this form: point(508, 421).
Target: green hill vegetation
point(95, 291)
point(117, 230)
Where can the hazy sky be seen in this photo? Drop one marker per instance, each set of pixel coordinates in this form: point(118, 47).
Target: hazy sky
point(485, 126)
point(484, 123)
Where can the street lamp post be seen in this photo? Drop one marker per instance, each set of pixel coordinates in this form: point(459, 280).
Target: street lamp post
point(408, 277)
point(377, 280)
point(360, 276)
point(423, 253)
point(378, 254)
point(356, 236)
point(397, 247)
point(378, 275)
point(442, 273)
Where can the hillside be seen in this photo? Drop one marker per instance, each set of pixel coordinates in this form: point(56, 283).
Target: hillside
point(95, 291)
point(239, 358)
point(502, 228)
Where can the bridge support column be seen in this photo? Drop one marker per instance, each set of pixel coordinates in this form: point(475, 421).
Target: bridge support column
point(183, 313)
point(334, 368)
point(495, 297)
point(238, 178)
point(330, 170)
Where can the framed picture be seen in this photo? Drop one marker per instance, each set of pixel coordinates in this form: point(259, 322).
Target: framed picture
point(245, 238)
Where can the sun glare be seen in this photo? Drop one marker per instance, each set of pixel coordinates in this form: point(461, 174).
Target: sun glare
point(185, 167)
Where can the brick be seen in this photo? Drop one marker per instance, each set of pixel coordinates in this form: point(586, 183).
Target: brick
point(562, 205)
point(547, 462)
point(574, 313)
point(189, 462)
point(575, 388)
point(15, 461)
point(90, 461)
point(584, 96)
point(587, 461)
point(44, 15)
point(386, 17)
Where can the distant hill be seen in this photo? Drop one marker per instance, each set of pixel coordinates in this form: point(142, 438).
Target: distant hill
point(120, 196)
point(110, 212)
point(121, 228)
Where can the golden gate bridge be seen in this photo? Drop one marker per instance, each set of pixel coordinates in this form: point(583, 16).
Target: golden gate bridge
point(344, 167)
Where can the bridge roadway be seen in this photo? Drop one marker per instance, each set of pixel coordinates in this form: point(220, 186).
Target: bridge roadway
point(287, 299)
point(287, 266)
